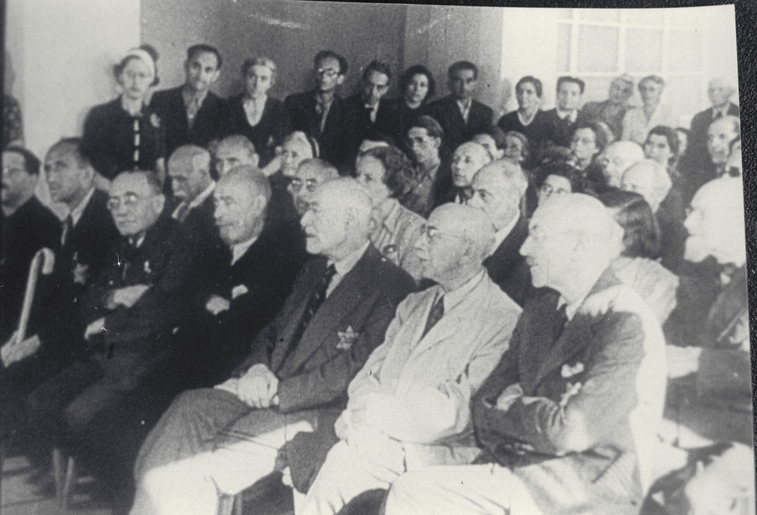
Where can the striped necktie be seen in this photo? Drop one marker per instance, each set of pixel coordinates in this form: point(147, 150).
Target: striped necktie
point(436, 314)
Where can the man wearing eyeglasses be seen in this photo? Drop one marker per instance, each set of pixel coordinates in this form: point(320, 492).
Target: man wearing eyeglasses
point(409, 405)
point(133, 309)
point(310, 175)
point(320, 113)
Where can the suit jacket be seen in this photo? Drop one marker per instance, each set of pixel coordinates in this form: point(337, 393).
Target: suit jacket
point(256, 286)
point(416, 389)
point(395, 237)
point(303, 117)
point(582, 430)
point(208, 123)
point(507, 268)
point(636, 126)
point(268, 132)
point(358, 124)
point(394, 119)
point(557, 132)
point(456, 130)
point(136, 340)
point(30, 228)
point(696, 150)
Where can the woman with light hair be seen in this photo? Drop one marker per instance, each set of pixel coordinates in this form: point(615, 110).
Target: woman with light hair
point(638, 121)
point(125, 133)
point(256, 115)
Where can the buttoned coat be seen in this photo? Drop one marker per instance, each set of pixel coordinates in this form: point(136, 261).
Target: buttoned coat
point(304, 117)
point(581, 436)
point(456, 129)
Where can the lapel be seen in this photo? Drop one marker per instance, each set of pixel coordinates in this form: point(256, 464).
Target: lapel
point(206, 109)
point(348, 294)
point(576, 337)
point(453, 111)
point(178, 107)
point(504, 258)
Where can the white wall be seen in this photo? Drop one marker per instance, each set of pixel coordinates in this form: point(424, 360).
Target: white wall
point(62, 53)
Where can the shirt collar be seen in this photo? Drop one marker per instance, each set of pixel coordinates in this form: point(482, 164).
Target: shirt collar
point(239, 249)
point(138, 243)
point(464, 105)
point(500, 235)
point(571, 115)
point(190, 96)
point(456, 296)
point(723, 110)
point(572, 308)
point(258, 102)
point(78, 211)
point(199, 199)
point(348, 262)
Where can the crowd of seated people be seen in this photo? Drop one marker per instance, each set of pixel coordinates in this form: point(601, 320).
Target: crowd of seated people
point(390, 305)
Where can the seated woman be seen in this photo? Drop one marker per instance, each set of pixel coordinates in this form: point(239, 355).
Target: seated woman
point(417, 86)
point(662, 145)
point(467, 159)
point(125, 134)
point(528, 119)
point(493, 140)
point(587, 142)
point(254, 114)
point(296, 148)
point(387, 175)
point(637, 263)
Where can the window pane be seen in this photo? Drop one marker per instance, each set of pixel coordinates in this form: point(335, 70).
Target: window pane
point(684, 51)
point(643, 51)
point(644, 16)
point(597, 49)
point(599, 14)
point(565, 14)
point(563, 47)
point(683, 94)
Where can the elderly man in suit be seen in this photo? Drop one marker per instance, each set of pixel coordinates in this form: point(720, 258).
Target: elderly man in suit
point(254, 276)
point(498, 189)
point(459, 114)
point(720, 91)
point(567, 420)
point(618, 157)
point(310, 175)
point(233, 151)
point(57, 323)
point(612, 110)
point(191, 113)
point(408, 406)
point(225, 439)
point(133, 308)
point(320, 113)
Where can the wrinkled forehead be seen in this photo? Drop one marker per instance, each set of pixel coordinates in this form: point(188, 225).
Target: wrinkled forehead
point(470, 149)
point(328, 63)
point(130, 183)
point(205, 58)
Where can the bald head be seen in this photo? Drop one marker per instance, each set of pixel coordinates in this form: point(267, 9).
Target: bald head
point(650, 180)
point(241, 200)
point(720, 91)
point(617, 158)
point(716, 222)
point(468, 159)
point(309, 176)
point(457, 240)
point(189, 170)
point(571, 241)
point(234, 151)
point(720, 134)
point(497, 190)
point(338, 219)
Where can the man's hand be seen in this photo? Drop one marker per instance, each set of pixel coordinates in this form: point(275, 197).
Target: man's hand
point(511, 394)
point(259, 387)
point(217, 304)
point(13, 350)
point(127, 296)
point(94, 328)
point(230, 385)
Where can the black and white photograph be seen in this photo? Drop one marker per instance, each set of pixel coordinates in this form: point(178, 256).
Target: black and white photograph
point(287, 257)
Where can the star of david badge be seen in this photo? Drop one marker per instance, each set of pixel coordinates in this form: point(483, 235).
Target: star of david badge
point(346, 338)
point(80, 273)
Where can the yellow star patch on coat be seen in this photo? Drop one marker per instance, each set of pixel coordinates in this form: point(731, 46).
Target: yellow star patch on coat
point(346, 338)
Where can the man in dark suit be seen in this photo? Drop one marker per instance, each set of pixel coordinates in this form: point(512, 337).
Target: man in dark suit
point(320, 113)
point(567, 421)
point(225, 439)
point(27, 226)
point(560, 121)
point(192, 113)
point(254, 276)
point(192, 185)
point(233, 151)
point(57, 324)
point(720, 91)
point(459, 114)
point(362, 108)
point(133, 309)
point(498, 189)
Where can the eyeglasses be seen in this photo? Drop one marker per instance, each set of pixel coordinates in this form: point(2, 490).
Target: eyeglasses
point(433, 234)
point(130, 201)
point(12, 171)
point(327, 72)
point(311, 184)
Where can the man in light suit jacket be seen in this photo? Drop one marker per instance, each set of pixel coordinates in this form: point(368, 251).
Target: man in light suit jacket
point(227, 438)
point(567, 421)
point(498, 189)
point(191, 113)
point(459, 114)
point(408, 406)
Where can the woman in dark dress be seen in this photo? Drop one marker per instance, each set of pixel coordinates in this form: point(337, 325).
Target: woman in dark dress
point(125, 134)
point(254, 114)
point(528, 119)
point(417, 86)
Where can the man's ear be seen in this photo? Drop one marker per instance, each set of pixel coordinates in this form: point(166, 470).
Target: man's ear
point(215, 76)
point(159, 202)
point(255, 160)
point(340, 80)
point(437, 142)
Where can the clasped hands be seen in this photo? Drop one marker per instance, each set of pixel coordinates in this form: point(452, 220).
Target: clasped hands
point(258, 387)
point(14, 350)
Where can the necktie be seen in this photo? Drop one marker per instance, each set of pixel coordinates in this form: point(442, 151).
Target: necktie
point(561, 318)
point(181, 212)
point(718, 115)
point(315, 301)
point(436, 314)
point(68, 226)
point(192, 108)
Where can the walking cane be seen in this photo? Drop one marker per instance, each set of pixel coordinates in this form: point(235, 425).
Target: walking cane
point(44, 258)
